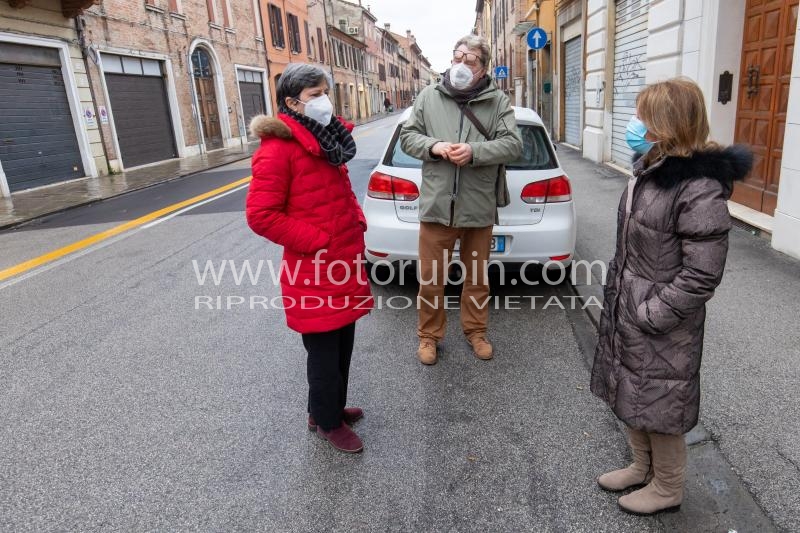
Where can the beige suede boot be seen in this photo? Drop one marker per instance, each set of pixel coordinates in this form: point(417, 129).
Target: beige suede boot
point(638, 473)
point(665, 492)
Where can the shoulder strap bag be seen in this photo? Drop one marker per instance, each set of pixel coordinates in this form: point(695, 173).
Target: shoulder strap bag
point(501, 185)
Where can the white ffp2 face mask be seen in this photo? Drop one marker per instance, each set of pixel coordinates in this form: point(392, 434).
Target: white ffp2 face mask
point(319, 109)
point(460, 76)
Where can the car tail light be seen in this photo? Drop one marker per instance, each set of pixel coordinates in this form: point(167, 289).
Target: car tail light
point(551, 191)
point(378, 254)
point(559, 190)
point(380, 186)
point(384, 187)
point(535, 193)
point(560, 257)
point(404, 190)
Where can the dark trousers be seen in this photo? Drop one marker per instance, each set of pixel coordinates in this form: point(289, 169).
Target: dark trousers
point(328, 369)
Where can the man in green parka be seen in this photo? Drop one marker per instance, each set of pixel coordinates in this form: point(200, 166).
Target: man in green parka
point(458, 199)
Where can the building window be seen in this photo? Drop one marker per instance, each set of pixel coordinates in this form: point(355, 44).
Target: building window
point(321, 44)
point(212, 17)
point(294, 33)
point(276, 27)
point(309, 46)
point(226, 13)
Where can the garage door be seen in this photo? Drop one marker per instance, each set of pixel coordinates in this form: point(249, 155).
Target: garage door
point(140, 109)
point(251, 91)
point(572, 91)
point(38, 145)
point(630, 60)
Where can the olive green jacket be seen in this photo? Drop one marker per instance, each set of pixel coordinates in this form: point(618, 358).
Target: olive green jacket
point(460, 197)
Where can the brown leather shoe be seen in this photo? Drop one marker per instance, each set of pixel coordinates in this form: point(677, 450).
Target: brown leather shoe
point(427, 351)
point(481, 347)
point(342, 438)
point(350, 416)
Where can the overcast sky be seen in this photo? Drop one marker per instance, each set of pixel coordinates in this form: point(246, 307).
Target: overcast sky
point(437, 24)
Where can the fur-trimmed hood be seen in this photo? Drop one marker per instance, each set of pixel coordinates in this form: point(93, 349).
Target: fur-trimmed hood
point(264, 126)
point(726, 165)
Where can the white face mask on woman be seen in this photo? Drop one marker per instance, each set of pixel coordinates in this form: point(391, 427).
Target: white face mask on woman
point(461, 76)
point(319, 109)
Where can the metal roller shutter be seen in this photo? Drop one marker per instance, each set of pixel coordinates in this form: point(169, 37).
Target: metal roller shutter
point(630, 61)
point(251, 92)
point(38, 145)
point(139, 105)
point(572, 91)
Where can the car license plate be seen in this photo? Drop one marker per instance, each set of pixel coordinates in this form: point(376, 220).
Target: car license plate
point(498, 244)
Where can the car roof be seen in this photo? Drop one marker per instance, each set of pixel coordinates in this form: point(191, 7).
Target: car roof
point(523, 115)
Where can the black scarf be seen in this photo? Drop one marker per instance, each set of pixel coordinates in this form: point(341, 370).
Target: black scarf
point(334, 139)
point(465, 95)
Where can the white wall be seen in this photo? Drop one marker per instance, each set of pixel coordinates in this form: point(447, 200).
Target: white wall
point(598, 56)
point(720, 51)
point(786, 233)
point(665, 39)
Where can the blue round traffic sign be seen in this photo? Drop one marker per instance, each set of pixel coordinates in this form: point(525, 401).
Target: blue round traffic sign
point(537, 38)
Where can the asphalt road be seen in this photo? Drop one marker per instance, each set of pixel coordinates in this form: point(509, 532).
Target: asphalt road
point(125, 405)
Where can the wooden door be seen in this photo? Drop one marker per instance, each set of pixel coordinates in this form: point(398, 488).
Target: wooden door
point(767, 49)
point(207, 98)
point(209, 114)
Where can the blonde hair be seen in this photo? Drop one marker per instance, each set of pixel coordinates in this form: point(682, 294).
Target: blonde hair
point(674, 112)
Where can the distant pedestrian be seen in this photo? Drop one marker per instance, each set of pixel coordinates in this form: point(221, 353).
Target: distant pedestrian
point(463, 130)
point(387, 104)
point(672, 242)
point(301, 198)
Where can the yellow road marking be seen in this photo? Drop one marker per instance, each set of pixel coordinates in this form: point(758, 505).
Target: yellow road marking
point(107, 234)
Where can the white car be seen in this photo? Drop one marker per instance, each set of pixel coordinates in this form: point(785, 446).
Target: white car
point(538, 226)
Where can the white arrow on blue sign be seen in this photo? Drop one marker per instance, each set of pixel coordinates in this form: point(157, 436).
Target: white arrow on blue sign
point(500, 73)
point(537, 38)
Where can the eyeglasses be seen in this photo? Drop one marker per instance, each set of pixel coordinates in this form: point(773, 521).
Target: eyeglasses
point(467, 57)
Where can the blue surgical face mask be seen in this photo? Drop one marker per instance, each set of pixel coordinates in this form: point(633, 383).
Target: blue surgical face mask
point(634, 135)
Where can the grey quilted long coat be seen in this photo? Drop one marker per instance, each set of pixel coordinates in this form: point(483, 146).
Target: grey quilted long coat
point(672, 242)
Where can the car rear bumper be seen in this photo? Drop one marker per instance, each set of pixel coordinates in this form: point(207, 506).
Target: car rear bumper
point(553, 236)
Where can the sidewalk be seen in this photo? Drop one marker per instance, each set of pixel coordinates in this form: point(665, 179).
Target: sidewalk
point(28, 205)
point(751, 365)
point(34, 203)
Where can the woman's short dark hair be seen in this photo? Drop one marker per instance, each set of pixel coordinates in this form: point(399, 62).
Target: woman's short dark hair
point(299, 76)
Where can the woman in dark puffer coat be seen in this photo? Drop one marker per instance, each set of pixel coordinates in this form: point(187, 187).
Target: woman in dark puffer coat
point(301, 198)
point(672, 242)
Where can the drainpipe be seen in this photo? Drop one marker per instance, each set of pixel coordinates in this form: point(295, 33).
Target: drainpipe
point(80, 25)
point(266, 56)
point(195, 105)
point(327, 38)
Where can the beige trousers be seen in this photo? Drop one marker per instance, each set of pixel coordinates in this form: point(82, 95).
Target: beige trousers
point(436, 244)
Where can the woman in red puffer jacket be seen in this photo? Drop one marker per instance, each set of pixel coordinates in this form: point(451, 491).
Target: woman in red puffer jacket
point(301, 198)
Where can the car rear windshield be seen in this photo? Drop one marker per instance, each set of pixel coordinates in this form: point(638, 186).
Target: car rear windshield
point(536, 151)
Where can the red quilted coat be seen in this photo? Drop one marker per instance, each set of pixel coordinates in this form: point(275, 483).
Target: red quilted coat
point(300, 201)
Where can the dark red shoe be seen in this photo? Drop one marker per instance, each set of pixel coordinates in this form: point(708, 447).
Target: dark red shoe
point(350, 416)
point(342, 438)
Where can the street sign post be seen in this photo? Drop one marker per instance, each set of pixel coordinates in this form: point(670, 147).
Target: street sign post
point(501, 73)
point(537, 38)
